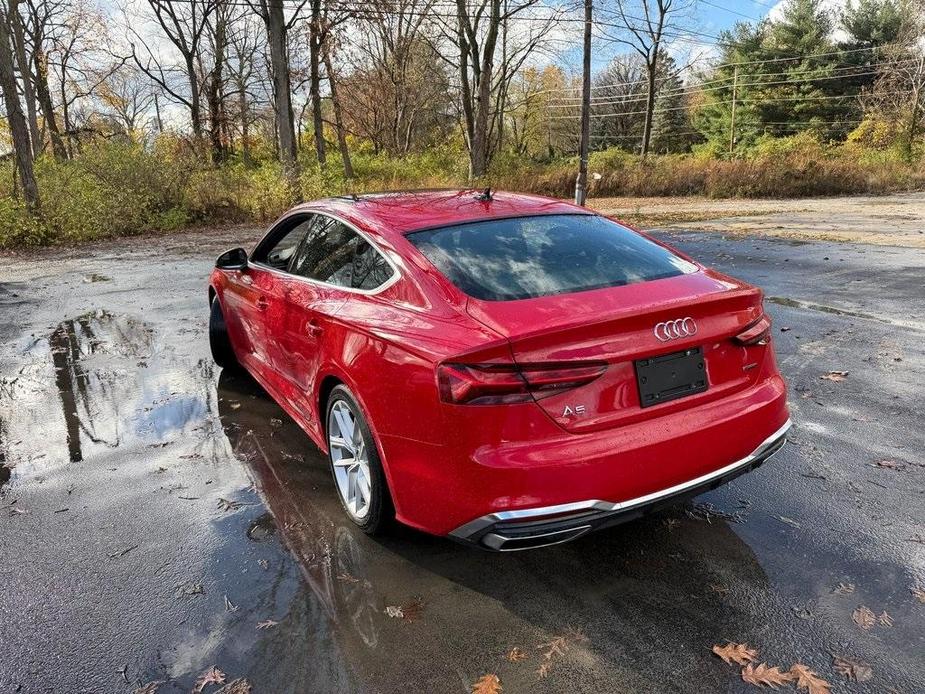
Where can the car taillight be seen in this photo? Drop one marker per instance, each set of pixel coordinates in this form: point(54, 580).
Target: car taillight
point(758, 333)
point(495, 384)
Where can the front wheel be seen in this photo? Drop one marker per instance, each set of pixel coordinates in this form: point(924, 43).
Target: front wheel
point(219, 343)
point(355, 464)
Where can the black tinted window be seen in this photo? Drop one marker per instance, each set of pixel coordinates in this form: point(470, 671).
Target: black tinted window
point(280, 253)
point(335, 254)
point(538, 256)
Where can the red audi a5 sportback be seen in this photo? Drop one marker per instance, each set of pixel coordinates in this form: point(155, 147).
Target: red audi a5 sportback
point(505, 369)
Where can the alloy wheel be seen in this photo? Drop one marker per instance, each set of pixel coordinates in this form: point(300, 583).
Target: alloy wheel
point(350, 460)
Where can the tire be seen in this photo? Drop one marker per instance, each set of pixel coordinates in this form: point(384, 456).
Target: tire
point(222, 352)
point(369, 505)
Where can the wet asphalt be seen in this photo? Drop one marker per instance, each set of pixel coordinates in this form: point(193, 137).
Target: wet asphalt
point(161, 517)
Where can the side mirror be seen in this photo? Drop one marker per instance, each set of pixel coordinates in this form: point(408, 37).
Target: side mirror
point(235, 259)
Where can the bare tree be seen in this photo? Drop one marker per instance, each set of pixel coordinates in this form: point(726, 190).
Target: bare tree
point(479, 25)
point(127, 97)
point(25, 72)
point(336, 107)
point(42, 15)
point(183, 23)
point(245, 46)
point(271, 11)
point(646, 23)
point(18, 127)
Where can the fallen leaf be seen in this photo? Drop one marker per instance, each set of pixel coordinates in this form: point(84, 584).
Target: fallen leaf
point(717, 588)
point(515, 655)
point(394, 611)
point(542, 672)
point(889, 464)
point(228, 505)
point(809, 680)
point(487, 684)
point(189, 589)
point(230, 606)
point(149, 688)
point(836, 376)
point(738, 653)
point(211, 676)
point(864, 617)
point(843, 589)
point(412, 611)
point(557, 647)
point(764, 676)
point(267, 624)
point(852, 670)
point(238, 686)
point(885, 619)
point(918, 594)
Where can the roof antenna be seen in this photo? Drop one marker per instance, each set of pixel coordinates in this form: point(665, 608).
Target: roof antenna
point(485, 195)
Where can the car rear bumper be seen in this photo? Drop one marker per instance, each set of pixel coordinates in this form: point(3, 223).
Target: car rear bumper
point(538, 527)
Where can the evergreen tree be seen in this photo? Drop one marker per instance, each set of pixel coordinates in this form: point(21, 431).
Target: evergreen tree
point(672, 127)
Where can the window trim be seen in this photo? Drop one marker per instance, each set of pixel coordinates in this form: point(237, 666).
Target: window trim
point(396, 274)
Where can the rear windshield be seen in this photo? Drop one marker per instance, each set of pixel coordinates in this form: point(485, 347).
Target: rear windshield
point(526, 257)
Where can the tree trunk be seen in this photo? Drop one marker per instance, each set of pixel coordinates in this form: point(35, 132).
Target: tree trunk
point(216, 125)
point(282, 96)
point(48, 111)
point(314, 87)
point(464, 86)
point(245, 126)
point(17, 121)
point(35, 135)
point(338, 119)
point(195, 108)
point(651, 67)
point(478, 154)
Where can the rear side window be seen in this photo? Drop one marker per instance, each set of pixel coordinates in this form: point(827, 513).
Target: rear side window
point(331, 252)
point(526, 257)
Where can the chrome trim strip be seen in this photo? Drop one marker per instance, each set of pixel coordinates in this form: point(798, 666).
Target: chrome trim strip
point(496, 541)
point(474, 526)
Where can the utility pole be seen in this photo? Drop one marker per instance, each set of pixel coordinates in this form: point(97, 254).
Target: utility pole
point(732, 123)
point(581, 184)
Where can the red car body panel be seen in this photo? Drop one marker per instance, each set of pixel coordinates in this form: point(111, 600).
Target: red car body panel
point(299, 338)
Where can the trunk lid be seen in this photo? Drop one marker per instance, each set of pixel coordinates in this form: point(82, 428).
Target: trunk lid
point(616, 325)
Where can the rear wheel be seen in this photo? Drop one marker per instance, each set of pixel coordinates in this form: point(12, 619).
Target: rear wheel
point(219, 343)
point(355, 464)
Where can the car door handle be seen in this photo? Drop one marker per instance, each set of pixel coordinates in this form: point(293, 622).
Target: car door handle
point(262, 303)
point(313, 328)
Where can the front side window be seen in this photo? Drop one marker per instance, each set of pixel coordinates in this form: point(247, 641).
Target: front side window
point(527, 257)
point(282, 244)
point(333, 253)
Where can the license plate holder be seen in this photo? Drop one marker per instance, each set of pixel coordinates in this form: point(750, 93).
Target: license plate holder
point(668, 377)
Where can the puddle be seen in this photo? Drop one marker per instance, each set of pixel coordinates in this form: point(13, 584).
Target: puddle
point(97, 382)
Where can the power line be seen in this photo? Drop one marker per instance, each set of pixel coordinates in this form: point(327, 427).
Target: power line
point(700, 88)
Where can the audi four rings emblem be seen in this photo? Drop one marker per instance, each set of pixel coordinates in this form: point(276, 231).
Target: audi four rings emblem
point(674, 329)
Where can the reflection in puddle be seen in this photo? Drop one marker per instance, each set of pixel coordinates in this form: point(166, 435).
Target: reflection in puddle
point(292, 477)
point(110, 381)
point(616, 586)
